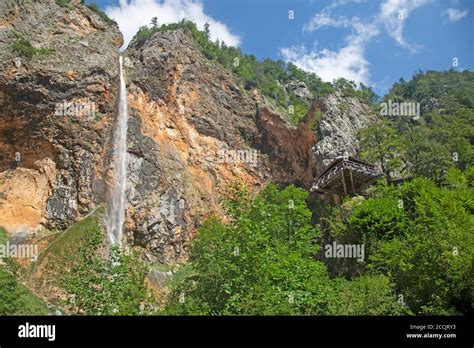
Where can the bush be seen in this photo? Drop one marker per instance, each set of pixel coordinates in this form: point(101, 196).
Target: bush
point(143, 34)
point(26, 48)
point(367, 295)
point(94, 7)
point(115, 285)
point(63, 3)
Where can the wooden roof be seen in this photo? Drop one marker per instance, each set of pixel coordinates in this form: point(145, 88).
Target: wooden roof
point(346, 175)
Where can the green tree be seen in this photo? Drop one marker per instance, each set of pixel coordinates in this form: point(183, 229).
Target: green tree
point(263, 263)
point(420, 236)
point(255, 266)
point(442, 137)
point(206, 31)
point(115, 285)
point(427, 156)
point(381, 144)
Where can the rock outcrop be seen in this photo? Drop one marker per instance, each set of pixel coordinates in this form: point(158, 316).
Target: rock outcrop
point(336, 131)
point(299, 89)
point(289, 148)
point(58, 81)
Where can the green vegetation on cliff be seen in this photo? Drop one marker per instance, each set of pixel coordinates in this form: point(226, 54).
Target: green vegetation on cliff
point(25, 47)
point(91, 5)
point(97, 279)
point(444, 91)
point(63, 3)
point(428, 144)
point(94, 7)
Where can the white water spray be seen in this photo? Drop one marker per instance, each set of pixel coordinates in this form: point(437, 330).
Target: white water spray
point(116, 212)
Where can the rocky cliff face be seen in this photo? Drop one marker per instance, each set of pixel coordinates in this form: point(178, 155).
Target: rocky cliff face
point(336, 131)
point(58, 78)
point(192, 129)
point(191, 134)
point(289, 148)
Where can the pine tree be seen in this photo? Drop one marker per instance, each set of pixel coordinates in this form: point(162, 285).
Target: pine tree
point(206, 30)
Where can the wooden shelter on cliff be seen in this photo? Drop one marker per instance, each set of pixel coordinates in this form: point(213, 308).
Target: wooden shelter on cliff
point(346, 176)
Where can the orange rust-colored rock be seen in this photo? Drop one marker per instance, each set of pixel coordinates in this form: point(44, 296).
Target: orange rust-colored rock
point(23, 196)
point(290, 148)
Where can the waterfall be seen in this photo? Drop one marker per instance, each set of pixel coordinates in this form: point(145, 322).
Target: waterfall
point(116, 212)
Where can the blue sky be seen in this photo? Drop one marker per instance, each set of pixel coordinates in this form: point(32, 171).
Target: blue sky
point(369, 41)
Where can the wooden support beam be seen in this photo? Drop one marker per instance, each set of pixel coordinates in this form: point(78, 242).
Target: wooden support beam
point(352, 181)
point(344, 182)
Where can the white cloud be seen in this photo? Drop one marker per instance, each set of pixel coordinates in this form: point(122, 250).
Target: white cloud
point(323, 18)
point(453, 15)
point(393, 14)
point(132, 14)
point(338, 3)
point(349, 61)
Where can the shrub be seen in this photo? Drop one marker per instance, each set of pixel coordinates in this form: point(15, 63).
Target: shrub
point(94, 7)
point(26, 48)
point(63, 3)
point(115, 285)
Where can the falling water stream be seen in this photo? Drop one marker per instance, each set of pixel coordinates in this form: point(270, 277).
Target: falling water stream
point(116, 212)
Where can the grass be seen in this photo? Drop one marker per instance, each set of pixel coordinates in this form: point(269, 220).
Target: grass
point(61, 256)
point(19, 300)
point(3, 235)
point(15, 298)
point(25, 47)
point(179, 275)
point(161, 267)
point(62, 252)
point(63, 3)
point(94, 7)
point(29, 303)
point(185, 272)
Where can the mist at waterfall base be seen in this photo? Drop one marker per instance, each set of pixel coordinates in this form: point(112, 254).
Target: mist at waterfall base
point(116, 199)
